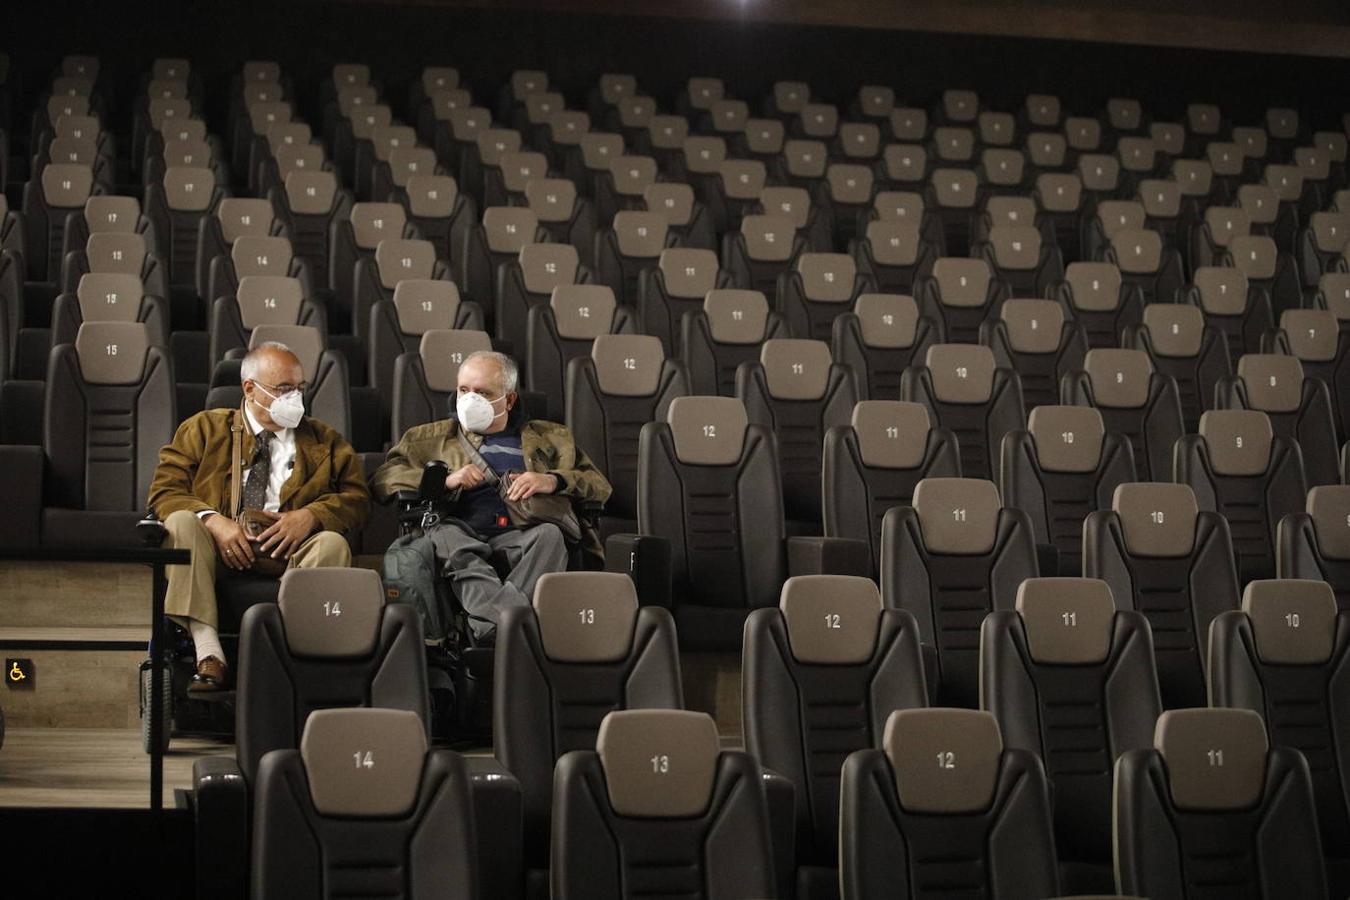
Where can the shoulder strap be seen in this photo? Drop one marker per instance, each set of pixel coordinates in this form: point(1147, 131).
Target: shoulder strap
point(475, 457)
point(236, 460)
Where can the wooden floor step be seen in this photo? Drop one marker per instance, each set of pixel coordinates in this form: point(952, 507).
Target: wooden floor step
point(80, 677)
point(59, 595)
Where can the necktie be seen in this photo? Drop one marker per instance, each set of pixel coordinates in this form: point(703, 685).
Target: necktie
point(255, 487)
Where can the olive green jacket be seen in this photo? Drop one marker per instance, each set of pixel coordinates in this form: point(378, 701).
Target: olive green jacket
point(547, 447)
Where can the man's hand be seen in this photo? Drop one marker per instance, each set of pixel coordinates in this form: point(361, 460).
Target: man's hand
point(527, 484)
point(466, 478)
point(231, 543)
point(287, 533)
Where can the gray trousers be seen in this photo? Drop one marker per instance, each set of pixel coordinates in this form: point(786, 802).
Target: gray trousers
point(470, 565)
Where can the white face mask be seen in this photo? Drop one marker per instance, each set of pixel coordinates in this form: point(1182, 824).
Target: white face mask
point(476, 412)
point(286, 410)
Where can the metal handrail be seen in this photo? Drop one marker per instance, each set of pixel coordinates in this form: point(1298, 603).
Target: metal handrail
point(156, 558)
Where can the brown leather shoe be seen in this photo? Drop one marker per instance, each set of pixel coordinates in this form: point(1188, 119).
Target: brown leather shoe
point(211, 673)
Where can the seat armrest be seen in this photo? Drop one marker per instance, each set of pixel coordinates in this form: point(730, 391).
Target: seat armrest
point(646, 559)
point(21, 486)
point(498, 827)
point(221, 821)
point(828, 556)
point(781, 798)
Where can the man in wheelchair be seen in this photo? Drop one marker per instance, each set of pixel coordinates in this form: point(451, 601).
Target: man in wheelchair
point(494, 532)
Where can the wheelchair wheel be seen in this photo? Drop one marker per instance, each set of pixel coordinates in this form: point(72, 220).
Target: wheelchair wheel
point(166, 707)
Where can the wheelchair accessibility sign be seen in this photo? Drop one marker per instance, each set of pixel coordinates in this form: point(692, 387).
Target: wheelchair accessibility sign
point(19, 673)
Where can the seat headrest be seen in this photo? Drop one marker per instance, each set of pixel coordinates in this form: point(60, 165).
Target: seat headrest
point(311, 193)
point(806, 159)
point(905, 162)
point(628, 365)
point(705, 155)
point(1223, 291)
point(66, 186)
point(398, 259)
point(909, 123)
point(540, 106)
point(1068, 621)
point(667, 132)
point(1137, 154)
point(764, 136)
point(1312, 163)
point(494, 144)
point(768, 238)
point(281, 133)
point(1226, 157)
point(957, 516)
point(331, 613)
point(1313, 334)
point(1226, 223)
point(742, 179)
point(729, 116)
point(955, 188)
point(582, 312)
point(967, 747)
point(658, 763)
point(614, 85)
point(954, 144)
point(1334, 288)
point(262, 114)
point(467, 121)
point(792, 202)
point(1274, 381)
point(528, 81)
point(635, 111)
point(1138, 250)
point(831, 619)
point(1293, 621)
point(1034, 326)
point(894, 242)
point(305, 341)
point(860, 140)
point(116, 252)
point(1003, 167)
point(1016, 247)
point(892, 434)
point(796, 369)
point(640, 235)
point(1194, 177)
point(1068, 438)
point(736, 316)
point(1330, 231)
point(962, 373)
point(902, 206)
point(189, 188)
point(1125, 114)
point(547, 266)
point(109, 297)
point(1100, 173)
point(108, 213)
point(1010, 211)
point(672, 200)
point(165, 110)
point(1059, 193)
point(433, 196)
point(598, 148)
point(509, 228)
point(1260, 202)
point(112, 353)
point(1160, 199)
point(1239, 441)
point(375, 222)
point(631, 174)
point(1048, 150)
point(363, 763)
point(520, 168)
point(254, 255)
point(1329, 506)
point(405, 162)
point(1156, 519)
point(707, 431)
point(689, 273)
point(552, 199)
point(819, 120)
point(1120, 215)
point(261, 70)
point(962, 282)
point(1084, 133)
point(241, 216)
point(268, 300)
point(1120, 378)
point(299, 158)
point(1175, 330)
point(849, 183)
point(443, 350)
point(74, 151)
point(1254, 255)
point(1215, 758)
point(586, 617)
point(425, 304)
point(827, 277)
point(887, 321)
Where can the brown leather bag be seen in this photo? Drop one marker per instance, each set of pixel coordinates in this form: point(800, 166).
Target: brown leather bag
point(253, 521)
point(540, 509)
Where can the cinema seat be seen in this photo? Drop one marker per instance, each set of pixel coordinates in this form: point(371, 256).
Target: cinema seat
point(1312, 543)
point(880, 338)
point(726, 333)
point(1134, 401)
point(1298, 408)
point(1180, 344)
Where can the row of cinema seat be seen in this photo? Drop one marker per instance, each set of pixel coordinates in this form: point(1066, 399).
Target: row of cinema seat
point(1070, 777)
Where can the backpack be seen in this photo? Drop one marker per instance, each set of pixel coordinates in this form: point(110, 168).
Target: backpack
point(411, 576)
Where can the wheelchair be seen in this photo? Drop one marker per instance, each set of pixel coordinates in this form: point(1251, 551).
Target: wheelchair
point(460, 666)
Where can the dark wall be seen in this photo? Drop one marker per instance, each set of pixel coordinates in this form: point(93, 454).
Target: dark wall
point(487, 44)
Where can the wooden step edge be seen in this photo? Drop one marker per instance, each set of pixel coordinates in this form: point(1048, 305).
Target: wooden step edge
point(109, 637)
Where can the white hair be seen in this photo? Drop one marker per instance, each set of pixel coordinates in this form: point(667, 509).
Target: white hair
point(510, 379)
point(248, 369)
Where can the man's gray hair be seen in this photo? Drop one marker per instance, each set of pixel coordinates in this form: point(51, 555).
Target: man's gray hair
point(248, 369)
point(505, 364)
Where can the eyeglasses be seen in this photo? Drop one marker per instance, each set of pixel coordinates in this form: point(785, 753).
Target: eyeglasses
point(280, 389)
